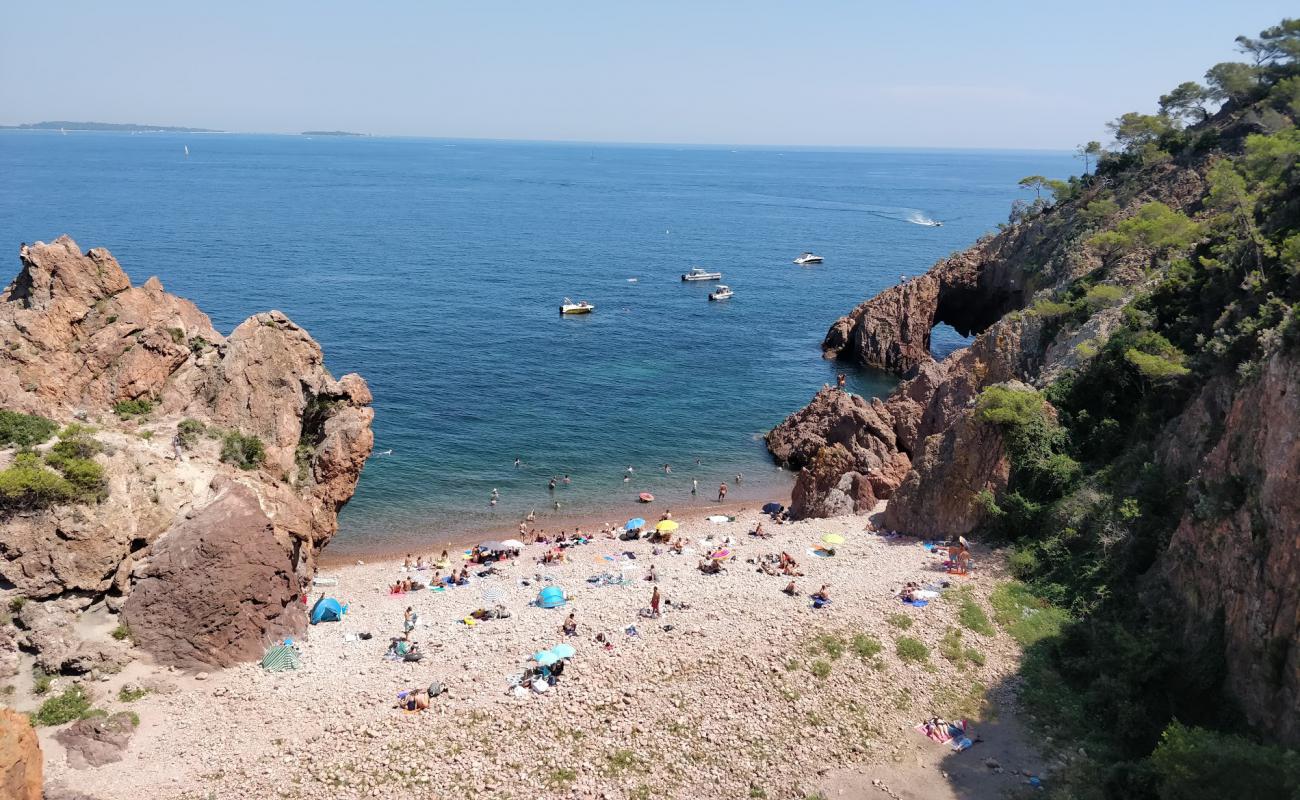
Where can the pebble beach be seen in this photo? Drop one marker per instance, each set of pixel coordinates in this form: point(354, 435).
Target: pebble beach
point(746, 692)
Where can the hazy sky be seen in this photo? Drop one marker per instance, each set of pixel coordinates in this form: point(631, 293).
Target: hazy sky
point(944, 73)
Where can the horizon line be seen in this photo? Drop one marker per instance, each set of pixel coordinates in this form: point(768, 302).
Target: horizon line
point(14, 127)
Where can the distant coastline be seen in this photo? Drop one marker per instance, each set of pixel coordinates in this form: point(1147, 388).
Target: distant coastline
point(331, 133)
point(105, 126)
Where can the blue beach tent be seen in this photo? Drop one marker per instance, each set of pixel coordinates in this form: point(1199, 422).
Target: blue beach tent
point(327, 609)
point(551, 597)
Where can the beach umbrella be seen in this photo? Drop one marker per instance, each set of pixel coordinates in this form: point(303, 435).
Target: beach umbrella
point(646, 497)
point(634, 523)
point(833, 538)
point(667, 525)
point(513, 544)
point(493, 594)
point(773, 508)
point(564, 650)
point(721, 554)
point(545, 657)
point(492, 547)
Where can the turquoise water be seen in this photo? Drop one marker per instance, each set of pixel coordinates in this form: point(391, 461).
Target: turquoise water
point(435, 269)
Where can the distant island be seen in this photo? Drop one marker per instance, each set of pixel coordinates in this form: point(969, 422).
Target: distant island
point(105, 126)
point(331, 133)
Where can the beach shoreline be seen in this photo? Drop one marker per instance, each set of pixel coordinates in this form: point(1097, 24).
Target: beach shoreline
point(736, 685)
point(397, 545)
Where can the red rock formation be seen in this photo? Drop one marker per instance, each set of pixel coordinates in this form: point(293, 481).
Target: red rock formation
point(75, 338)
point(1234, 558)
point(21, 763)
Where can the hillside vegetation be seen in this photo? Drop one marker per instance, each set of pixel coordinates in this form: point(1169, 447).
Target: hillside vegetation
point(1202, 297)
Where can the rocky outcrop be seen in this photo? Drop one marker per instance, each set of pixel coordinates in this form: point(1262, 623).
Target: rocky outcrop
point(1234, 558)
point(21, 763)
point(218, 587)
point(97, 741)
point(76, 338)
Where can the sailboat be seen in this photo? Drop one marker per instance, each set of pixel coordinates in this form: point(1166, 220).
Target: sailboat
point(187, 150)
point(62, 131)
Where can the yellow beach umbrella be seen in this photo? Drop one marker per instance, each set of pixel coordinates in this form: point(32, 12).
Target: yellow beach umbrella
point(666, 525)
point(833, 538)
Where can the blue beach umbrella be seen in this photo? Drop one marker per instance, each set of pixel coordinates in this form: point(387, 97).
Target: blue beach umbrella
point(773, 508)
point(545, 657)
point(633, 524)
point(564, 650)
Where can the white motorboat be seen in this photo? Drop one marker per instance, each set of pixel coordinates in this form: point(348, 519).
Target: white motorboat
point(809, 258)
point(721, 293)
point(701, 274)
point(580, 307)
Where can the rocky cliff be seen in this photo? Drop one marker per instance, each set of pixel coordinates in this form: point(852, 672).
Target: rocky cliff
point(224, 460)
point(1157, 302)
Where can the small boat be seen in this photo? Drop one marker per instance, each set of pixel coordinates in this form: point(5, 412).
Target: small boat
point(721, 293)
point(187, 150)
point(809, 258)
point(580, 307)
point(701, 274)
point(646, 497)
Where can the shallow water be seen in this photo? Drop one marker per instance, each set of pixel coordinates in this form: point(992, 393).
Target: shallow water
point(435, 269)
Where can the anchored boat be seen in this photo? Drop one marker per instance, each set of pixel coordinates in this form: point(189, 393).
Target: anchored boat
point(721, 293)
point(701, 274)
point(580, 307)
point(809, 258)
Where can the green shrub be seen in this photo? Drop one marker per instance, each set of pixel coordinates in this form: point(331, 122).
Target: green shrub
point(900, 621)
point(1023, 562)
point(1197, 764)
point(16, 604)
point(28, 485)
point(820, 668)
point(1102, 296)
point(127, 409)
point(189, 431)
point(24, 430)
point(830, 644)
point(865, 646)
point(121, 632)
point(72, 704)
point(244, 451)
point(910, 649)
point(41, 681)
point(129, 694)
point(1001, 405)
point(178, 335)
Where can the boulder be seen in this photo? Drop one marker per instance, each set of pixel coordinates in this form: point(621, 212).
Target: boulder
point(97, 741)
point(217, 588)
point(21, 763)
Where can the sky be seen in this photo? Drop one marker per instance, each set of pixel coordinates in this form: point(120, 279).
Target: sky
point(947, 73)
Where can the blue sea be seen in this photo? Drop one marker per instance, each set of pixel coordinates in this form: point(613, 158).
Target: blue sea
point(435, 268)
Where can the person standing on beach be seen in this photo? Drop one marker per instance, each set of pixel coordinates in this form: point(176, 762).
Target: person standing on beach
point(654, 602)
point(722, 491)
point(695, 485)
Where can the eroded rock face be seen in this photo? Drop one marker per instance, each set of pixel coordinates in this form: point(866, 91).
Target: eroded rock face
point(938, 498)
point(75, 338)
point(22, 766)
point(1235, 556)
